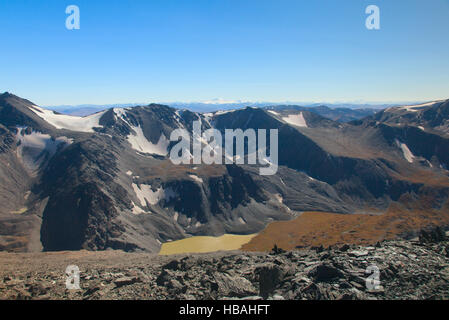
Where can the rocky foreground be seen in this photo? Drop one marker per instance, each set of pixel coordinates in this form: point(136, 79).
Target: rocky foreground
point(407, 270)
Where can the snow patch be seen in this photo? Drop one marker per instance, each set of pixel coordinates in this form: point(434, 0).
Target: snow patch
point(137, 210)
point(72, 123)
point(408, 155)
point(121, 113)
point(35, 147)
point(140, 143)
point(220, 112)
point(145, 194)
point(282, 181)
point(207, 117)
point(196, 178)
point(296, 120)
point(40, 141)
point(177, 118)
point(415, 108)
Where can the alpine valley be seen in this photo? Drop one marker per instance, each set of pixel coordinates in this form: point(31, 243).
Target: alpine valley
point(105, 181)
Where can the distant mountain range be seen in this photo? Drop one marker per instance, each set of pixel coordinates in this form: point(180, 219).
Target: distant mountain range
point(338, 112)
point(105, 180)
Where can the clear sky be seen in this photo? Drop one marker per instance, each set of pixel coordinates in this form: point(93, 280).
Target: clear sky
point(194, 50)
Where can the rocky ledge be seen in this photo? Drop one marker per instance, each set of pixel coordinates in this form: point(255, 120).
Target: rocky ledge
point(406, 270)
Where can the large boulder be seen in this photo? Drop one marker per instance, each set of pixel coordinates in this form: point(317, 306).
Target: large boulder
point(270, 277)
point(233, 285)
point(325, 273)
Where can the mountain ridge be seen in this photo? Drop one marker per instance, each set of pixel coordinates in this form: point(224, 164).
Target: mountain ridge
point(111, 185)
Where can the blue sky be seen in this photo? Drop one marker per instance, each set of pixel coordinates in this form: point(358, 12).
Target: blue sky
point(194, 50)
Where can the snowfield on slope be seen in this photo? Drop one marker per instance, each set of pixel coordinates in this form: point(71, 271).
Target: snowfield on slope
point(296, 120)
point(138, 140)
point(408, 155)
point(72, 123)
point(145, 194)
point(140, 143)
point(35, 147)
point(415, 108)
point(40, 141)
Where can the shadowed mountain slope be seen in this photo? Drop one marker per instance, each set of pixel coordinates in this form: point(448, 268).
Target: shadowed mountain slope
point(105, 180)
